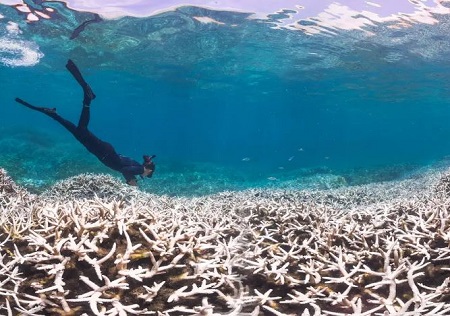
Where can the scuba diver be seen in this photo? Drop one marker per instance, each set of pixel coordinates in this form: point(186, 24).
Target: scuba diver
point(102, 150)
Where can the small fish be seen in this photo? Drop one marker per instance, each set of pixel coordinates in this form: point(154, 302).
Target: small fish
point(291, 158)
point(272, 178)
point(300, 149)
point(246, 159)
point(281, 168)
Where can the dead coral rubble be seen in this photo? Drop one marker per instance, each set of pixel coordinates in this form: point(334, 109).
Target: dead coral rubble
point(234, 253)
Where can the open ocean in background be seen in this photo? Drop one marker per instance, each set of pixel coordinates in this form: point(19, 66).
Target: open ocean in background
point(225, 101)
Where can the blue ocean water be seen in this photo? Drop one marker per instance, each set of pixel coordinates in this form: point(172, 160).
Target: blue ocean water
point(225, 106)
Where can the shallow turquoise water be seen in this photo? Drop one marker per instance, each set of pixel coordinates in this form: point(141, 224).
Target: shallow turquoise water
point(239, 104)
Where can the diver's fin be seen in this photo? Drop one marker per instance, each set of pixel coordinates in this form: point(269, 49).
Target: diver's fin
point(36, 108)
point(80, 28)
point(88, 93)
point(28, 105)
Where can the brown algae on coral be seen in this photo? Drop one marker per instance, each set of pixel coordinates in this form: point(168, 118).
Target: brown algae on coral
point(92, 246)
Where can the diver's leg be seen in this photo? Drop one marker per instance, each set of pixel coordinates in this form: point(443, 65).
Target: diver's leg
point(84, 117)
point(102, 150)
point(52, 113)
point(36, 108)
point(88, 93)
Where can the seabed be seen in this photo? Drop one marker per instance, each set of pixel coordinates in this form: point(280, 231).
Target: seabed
point(91, 245)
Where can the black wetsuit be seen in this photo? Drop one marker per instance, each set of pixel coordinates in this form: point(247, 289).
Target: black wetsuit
point(104, 151)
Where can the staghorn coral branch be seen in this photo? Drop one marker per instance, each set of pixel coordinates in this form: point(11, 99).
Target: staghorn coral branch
point(340, 266)
point(264, 298)
point(204, 288)
point(151, 292)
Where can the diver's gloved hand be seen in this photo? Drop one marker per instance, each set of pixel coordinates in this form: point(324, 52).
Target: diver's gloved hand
point(149, 164)
point(132, 182)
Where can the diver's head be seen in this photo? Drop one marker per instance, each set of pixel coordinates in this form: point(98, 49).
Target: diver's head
point(149, 165)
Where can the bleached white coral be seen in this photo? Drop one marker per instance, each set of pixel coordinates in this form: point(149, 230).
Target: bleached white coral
point(234, 253)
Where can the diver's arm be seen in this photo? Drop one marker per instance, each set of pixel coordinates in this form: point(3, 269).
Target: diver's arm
point(130, 172)
point(132, 182)
point(130, 179)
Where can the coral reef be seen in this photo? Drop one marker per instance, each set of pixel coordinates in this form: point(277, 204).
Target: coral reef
point(8, 189)
point(15, 211)
point(92, 246)
point(90, 186)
